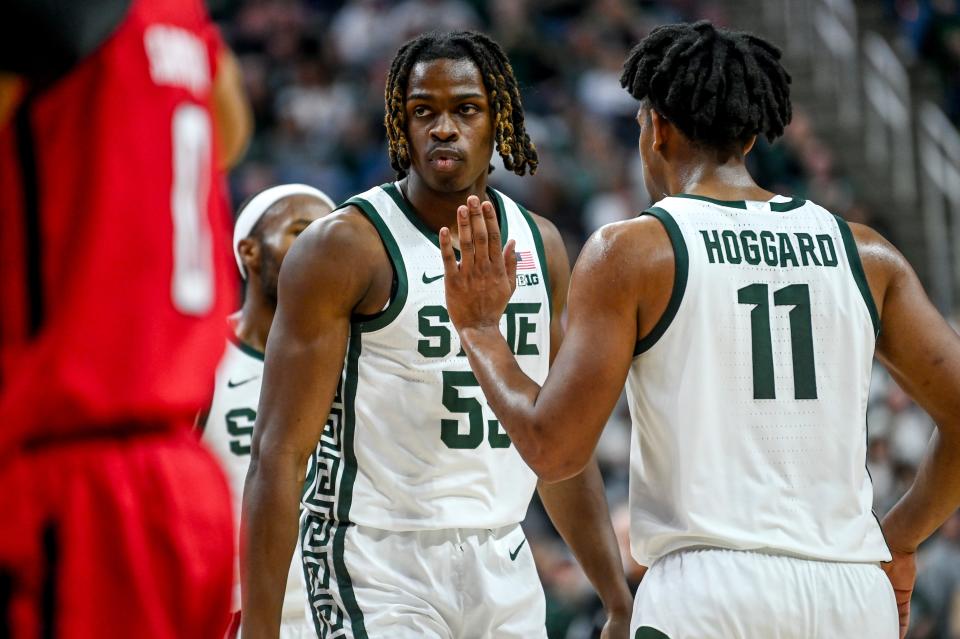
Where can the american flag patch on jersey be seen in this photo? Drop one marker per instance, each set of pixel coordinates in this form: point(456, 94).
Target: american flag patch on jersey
point(525, 261)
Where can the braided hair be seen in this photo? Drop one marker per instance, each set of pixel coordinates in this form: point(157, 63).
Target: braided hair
point(513, 143)
point(718, 87)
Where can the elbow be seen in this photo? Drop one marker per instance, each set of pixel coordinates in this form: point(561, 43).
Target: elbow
point(554, 472)
point(554, 462)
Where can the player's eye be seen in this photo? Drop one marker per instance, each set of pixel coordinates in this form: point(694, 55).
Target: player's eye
point(469, 109)
point(420, 111)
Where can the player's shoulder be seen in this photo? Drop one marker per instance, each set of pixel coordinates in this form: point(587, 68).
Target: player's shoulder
point(345, 230)
point(641, 243)
point(343, 241)
point(882, 263)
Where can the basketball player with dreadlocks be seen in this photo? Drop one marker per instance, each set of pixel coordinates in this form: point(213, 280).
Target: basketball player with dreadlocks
point(744, 324)
point(414, 492)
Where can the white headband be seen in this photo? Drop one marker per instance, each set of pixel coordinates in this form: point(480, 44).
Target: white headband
point(258, 205)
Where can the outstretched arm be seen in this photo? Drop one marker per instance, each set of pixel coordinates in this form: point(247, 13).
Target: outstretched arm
point(555, 428)
point(922, 353)
point(324, 276)
point(578, 506)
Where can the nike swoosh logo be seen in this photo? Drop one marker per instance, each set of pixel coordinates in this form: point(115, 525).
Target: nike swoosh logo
point(430, 280)
point(513, 555)
point(233, 384)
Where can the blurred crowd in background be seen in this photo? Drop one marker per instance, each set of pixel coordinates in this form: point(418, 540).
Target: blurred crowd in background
point(930, 31)
point(315, 72)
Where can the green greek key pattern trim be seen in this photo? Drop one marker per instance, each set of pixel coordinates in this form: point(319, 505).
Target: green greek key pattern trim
point(326, 520)
point(371, 323)
point(859, 276)
point(681, 272)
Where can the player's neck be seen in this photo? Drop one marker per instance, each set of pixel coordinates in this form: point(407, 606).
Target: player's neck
point(253, 323)
point(729, 181)
point(438, 209)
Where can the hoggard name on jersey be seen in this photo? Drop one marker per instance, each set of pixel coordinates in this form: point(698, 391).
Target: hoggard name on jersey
point(772, 249)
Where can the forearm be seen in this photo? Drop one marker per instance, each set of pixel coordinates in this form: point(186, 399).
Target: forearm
point(268, 536)
point(511, 394)
point(578, 509)
point(934, 496)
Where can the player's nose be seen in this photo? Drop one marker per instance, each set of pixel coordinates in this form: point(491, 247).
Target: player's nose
point(444, 129)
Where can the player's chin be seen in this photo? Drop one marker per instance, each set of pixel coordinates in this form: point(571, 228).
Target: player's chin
point(448, 181)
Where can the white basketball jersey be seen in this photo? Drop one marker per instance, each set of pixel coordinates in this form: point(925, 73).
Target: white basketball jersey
point(411, 443)
point(749, 397)
point(227, 431)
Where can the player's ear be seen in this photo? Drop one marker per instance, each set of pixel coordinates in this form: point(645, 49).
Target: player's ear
point(249, 250)
point(749, 145)
point(661, 129)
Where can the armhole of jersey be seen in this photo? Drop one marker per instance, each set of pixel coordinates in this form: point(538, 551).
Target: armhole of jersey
point(541, 254)
point(859, 276)
point(398, 296)
point(246, 349)
point(681, 261)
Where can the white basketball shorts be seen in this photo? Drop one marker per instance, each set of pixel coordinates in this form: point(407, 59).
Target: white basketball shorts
point(443, 584)
point(729, 594)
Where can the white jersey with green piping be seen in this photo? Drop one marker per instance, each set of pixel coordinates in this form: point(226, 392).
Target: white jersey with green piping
point(749, 397)
point(411, 443)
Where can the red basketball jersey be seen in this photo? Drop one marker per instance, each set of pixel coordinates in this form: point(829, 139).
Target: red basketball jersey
point(113, 248)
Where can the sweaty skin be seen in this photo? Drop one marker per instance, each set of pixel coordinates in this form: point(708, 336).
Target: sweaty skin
point(619, 289)
point(338, 268)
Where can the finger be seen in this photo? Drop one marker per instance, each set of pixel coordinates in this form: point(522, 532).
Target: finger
point(466, 238)
point(446, 252)
point(510, 263)
point(493, 230)
point(479, 229)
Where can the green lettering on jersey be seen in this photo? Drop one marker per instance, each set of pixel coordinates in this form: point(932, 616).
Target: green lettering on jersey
point(751, 251)
point(768, 242)
point(828, 253)
point(437, 342)
point(711, 242)
point(240, 425)
point(450, 428)
point(807, 248)
point(520, 327)
point(731, 246)
point(435, 329)
point(786, 250)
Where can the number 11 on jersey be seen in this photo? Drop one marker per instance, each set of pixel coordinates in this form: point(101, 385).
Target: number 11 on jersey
point(801, 339)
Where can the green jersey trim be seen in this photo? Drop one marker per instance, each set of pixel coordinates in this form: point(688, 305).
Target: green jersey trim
point(681, 271)
point(779, 207)
point(541, 255)
point(371, 323)
point(431, 235)
point(859, 276)
point(338, 519)
point(783, 207)
point(649, 632)
point(246, 349)
point(344, 583)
